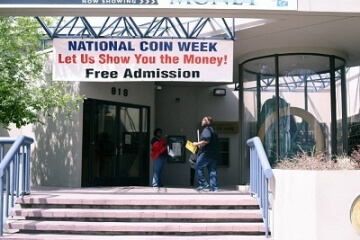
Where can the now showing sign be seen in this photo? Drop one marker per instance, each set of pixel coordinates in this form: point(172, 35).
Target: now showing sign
point(143, 60)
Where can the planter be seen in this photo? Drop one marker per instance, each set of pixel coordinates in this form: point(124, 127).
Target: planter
point(313, 205)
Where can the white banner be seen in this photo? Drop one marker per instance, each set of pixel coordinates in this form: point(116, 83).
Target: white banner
point(129, 60)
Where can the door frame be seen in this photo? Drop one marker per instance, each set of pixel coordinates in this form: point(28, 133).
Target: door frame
point(89, 132)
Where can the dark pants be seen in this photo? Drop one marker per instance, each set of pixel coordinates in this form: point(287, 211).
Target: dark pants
point(192, 176)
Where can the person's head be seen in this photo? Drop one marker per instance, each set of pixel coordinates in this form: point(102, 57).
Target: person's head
point(206, 121)
point(158, 132)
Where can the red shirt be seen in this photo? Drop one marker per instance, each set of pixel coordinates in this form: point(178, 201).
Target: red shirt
point(157, 147)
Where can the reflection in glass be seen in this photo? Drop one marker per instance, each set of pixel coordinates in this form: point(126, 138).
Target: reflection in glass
point(289, 102)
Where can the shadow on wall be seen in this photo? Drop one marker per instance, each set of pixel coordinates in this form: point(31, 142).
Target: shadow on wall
point(4, 133)
point(56, 152)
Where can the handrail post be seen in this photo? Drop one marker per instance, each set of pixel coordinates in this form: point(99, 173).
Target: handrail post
point(1, 206)
point(260, 173)
point(14, 165)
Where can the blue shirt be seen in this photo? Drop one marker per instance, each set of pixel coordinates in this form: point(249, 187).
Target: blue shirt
point(209, 135)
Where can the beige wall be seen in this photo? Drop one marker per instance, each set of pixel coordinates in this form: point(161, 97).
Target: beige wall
point(313, 205)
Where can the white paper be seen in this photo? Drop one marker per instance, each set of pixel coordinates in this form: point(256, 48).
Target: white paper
point(176, 147)
point(171, 153)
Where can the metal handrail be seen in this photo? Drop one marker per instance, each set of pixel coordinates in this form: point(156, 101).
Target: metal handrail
point(260, 173)
point(14, 173)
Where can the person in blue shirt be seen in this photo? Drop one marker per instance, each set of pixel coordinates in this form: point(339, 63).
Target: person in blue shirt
point(208, 155)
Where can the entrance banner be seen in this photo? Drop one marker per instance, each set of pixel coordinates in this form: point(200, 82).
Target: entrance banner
point(113, 60)
point(179, 4)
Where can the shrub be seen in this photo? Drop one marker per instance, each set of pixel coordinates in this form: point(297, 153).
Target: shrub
point(355, 156)
point(313, 160)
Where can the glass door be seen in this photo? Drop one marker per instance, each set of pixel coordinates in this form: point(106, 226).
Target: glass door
point(116, 144)
point(129, 148)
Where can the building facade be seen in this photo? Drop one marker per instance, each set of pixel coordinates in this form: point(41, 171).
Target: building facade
point(267, 76)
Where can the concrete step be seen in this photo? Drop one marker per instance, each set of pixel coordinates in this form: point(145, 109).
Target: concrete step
point(140, 214)
point(135, 213)
point(43, 236)
point(138, 200)
point(137, 227)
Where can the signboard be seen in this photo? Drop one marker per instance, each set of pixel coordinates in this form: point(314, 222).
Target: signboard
point(184, 4)
point(182, 60)
point(226, 127)
point(177, 146)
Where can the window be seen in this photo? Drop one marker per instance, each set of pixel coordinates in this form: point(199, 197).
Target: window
point(224, 152)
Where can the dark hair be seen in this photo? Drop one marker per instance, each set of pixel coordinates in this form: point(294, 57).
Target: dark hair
point(156, 131)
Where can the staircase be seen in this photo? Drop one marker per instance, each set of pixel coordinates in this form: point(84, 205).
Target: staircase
point(135, 213)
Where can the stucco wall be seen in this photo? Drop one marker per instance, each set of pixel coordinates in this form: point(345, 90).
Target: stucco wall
point(313, 205)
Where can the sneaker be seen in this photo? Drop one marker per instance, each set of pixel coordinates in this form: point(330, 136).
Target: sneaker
point(200, 188)
point(214, 190)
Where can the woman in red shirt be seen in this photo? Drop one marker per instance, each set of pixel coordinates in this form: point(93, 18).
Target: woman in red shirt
point(158, 155)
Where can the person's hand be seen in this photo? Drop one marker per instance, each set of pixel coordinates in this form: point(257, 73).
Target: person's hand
point(195, 144)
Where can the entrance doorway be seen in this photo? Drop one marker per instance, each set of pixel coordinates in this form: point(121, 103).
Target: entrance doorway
point(115, 144)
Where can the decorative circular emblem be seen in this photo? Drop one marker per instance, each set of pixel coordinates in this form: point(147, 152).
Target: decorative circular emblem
point(355, 214)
